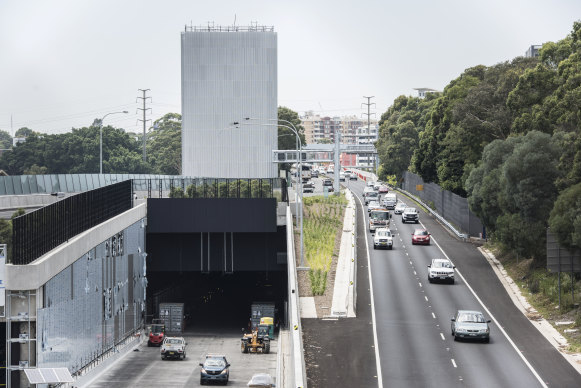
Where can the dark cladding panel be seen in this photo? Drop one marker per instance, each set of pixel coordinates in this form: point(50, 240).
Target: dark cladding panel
point(195, 215)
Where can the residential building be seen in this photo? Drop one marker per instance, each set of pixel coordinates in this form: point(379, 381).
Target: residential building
point(422, 92)
point(320, 129)
point(533, 51)
point(229, 73)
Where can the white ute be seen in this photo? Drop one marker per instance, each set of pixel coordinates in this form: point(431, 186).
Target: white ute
point(383, 239)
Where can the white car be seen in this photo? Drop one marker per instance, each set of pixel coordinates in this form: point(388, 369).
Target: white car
point(173, 347)
point(342, 176)
point(370, 184)
point(441, 270)
point(383, 239)
point(399, 208)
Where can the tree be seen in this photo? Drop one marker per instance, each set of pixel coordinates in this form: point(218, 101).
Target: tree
point(286, 137)
point(24, 132)
point(5, 140)
point(396, 147)
point(164, 145)
point(565, 219)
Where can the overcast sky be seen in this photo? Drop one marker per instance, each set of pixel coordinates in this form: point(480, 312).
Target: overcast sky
point(64, 63)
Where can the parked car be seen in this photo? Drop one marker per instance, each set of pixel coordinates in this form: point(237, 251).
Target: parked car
point(441, 270)
point(383, 239)
point(173, 347)
point(215, 368)
point(399, 208)
point(420, 236)
point(410, 214)
point(383, 189)
point(467, 324)
point(308, 187)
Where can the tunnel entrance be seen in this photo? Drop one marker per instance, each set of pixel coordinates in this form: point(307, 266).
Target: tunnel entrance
point(216, 301)
point(217, 256)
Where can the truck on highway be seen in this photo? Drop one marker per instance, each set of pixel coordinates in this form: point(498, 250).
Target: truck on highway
point(378, 218)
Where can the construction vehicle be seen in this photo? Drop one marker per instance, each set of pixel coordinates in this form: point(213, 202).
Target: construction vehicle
point(257, 341)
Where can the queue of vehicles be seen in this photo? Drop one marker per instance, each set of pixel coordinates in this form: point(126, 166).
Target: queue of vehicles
point(466, 324)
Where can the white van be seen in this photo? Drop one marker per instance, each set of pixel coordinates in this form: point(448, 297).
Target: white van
point(390, 200)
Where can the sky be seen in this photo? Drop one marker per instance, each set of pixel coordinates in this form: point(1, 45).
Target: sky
point(64, 63)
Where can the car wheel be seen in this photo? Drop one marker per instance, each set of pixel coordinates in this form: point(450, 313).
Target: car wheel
point(390, 247)
point(455, 338)
point(374, 247)
point(429, 279)
point(417, 222)
point(202, 382)
point(452, 281)
point(487, 340)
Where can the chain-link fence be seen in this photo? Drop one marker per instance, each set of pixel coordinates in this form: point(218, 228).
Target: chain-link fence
point(450, 206)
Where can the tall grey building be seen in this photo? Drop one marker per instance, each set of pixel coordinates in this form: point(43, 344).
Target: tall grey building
point(229, 74)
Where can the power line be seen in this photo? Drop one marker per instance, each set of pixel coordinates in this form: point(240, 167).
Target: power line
point(144, 109)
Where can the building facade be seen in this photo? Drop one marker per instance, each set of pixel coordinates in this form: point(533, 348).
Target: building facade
point(533, 51)
point(321, 129)
point(229, 74)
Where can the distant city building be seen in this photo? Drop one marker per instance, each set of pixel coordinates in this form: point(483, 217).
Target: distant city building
point(322, 129)
point(423, 91)
point(533, 51)
point(365, 137)
point(16, 140)
point(229, 73)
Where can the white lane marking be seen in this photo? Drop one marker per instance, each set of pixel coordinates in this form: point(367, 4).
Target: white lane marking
point(377, 361)
point(534, 372)
point(454, 363)
point(433, 315)
point(442, 335)
point(420, 284)
point(415, 273)
point(426, 298)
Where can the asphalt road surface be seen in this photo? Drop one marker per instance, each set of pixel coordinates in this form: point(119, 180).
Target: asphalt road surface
point(415, 345)
point(145, 368)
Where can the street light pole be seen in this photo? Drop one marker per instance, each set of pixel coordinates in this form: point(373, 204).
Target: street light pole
point(299, 176)
point(101, 139)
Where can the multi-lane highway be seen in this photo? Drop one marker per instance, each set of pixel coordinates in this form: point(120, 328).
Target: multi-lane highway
point(412, 320)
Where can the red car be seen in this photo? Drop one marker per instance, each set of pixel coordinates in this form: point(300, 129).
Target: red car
point(383, 189)
point(420, 236)
point(156, 335)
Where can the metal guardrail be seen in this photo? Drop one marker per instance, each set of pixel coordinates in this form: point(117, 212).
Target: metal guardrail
point(463, 236)
point(296, 332)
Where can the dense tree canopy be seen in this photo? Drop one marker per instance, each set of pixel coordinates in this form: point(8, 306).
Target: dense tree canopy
point(506, 136)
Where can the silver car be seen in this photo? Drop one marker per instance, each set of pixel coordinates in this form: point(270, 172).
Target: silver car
point(468, 324)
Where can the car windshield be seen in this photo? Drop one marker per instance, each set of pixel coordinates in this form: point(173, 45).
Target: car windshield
point(214, 362)
point(401, 205)
point(174, 341)
point(410, 210)
point(383, 233)
point(442, 264)
point(421, 232)
point(379, 215)
point(471, 317)
point(372, 194)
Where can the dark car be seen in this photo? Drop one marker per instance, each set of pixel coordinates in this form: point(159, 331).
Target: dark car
point(420, 236)
point(468, 324)
point(328, 183)
point(215, 368)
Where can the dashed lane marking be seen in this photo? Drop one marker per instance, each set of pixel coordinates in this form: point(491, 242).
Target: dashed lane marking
point(454, 363)
point(433, 315)
point(442, 335)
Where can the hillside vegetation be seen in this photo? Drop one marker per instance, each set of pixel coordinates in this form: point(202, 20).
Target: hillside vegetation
point(507, 137)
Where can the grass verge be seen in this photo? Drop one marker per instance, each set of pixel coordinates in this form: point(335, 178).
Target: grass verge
point(541, 289)
point(323, 221)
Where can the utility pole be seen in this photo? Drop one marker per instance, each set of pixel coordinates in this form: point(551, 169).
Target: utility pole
point(144, 109)
point(368, 114)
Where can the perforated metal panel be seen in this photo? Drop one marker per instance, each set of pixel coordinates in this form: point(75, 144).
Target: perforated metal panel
point(90, 306)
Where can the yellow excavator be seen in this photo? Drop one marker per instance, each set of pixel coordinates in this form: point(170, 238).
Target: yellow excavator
point(256, 342)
